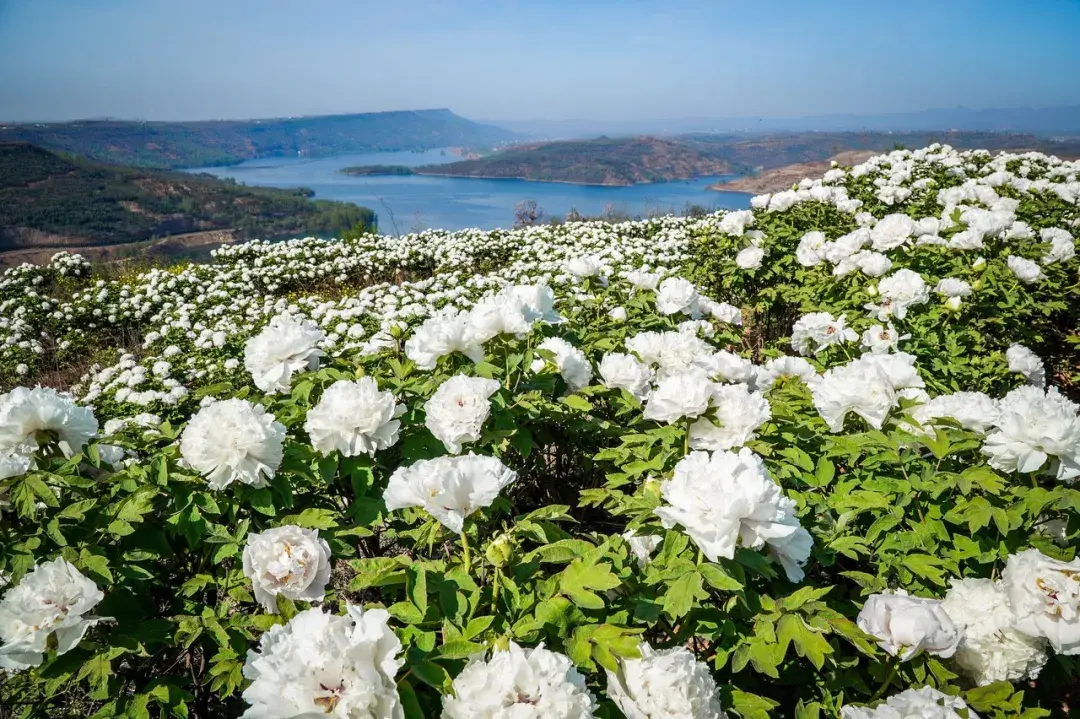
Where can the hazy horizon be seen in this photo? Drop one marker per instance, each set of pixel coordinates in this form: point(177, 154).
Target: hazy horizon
point(510, 61)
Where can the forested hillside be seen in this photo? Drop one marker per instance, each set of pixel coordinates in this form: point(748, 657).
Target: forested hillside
point(48, 199)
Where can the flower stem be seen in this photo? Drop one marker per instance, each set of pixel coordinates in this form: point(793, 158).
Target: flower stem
point(465, 550)
point(894, 666)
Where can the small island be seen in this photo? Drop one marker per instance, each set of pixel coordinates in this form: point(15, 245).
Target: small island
point(363, 170)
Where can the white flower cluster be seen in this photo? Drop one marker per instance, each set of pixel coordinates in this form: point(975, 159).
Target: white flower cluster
point(321, 664)
point(723, 500)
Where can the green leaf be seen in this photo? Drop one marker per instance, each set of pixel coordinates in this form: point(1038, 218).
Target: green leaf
point(416, 588)
point(433, 675)
point(751, 706)
point(990, 697)
point(577, 402)
point(313, 518)
point(460, 649)
point(582, 578)
point(682, 594)
point(719, 579)
point(409, 702)
point(926, 567)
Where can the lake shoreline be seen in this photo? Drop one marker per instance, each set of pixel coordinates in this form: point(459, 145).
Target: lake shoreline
point(433, 199)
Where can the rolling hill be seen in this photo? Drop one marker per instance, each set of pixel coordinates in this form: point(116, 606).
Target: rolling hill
point(52, 201)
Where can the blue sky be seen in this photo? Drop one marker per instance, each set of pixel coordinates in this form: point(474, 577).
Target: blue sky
point(555, 59)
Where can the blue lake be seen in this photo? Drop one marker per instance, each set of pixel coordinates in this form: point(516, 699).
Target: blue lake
point(406, 203)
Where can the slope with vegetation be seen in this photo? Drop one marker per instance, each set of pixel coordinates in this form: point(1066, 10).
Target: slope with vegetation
point(813, 460)
point(48, 200)
point(228, 142)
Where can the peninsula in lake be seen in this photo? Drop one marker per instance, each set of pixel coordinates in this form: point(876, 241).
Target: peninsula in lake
point(600, 161)
point(762, 161)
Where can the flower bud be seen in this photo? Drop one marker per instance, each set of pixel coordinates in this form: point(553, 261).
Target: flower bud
point(953, 303)
point(979, 264)
point(872, 290)
point(500, 550)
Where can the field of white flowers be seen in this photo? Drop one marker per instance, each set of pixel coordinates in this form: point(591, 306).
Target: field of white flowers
point(812, 460)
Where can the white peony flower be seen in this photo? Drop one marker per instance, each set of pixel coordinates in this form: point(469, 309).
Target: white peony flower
point(623, 371)
point(456, 413)
point(891, 232)
point(722, 312)
point(286, 345)
point(905, 625)
point(1045, 598)
point(449, 488)
point(881, 340)
point(675, 295)
point(1062, 245)
point(687, 394)
point(1027, 363)
point(618, 314)
point(518, 683)
point(811, 249)
point(290, 561)
point(233, 441)
point(973, 410)
point(786, 366)
point(642, 546)
point(1025, 270)
point(739, 414)
point(27, 415)
point(325, 665)
point(673, 352)
point(447, 331)
point(735, 223)
point(869, 386)
point(502, 314)
point(922, 703)
point(537, 303)
point(817, 331)
point(664, 684)
point(952, 287)
point(899, 291)
point(584, 266)
point(354, 418)
point(749, 258)
point(571, 362)
point(991, 650)
point(1032, 427)
point(727, 499)
point(51, 600)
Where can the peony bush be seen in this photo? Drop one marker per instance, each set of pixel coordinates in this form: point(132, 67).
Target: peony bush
point(814, 459)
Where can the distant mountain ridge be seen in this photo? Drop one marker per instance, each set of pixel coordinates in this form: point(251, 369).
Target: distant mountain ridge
point(1042, 121)
point(174, 145)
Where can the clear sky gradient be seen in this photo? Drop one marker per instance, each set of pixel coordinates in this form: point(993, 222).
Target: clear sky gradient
point(517, 60)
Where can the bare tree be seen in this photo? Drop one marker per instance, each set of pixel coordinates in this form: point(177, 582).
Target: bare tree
point(391, 213)
point(527, 213)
